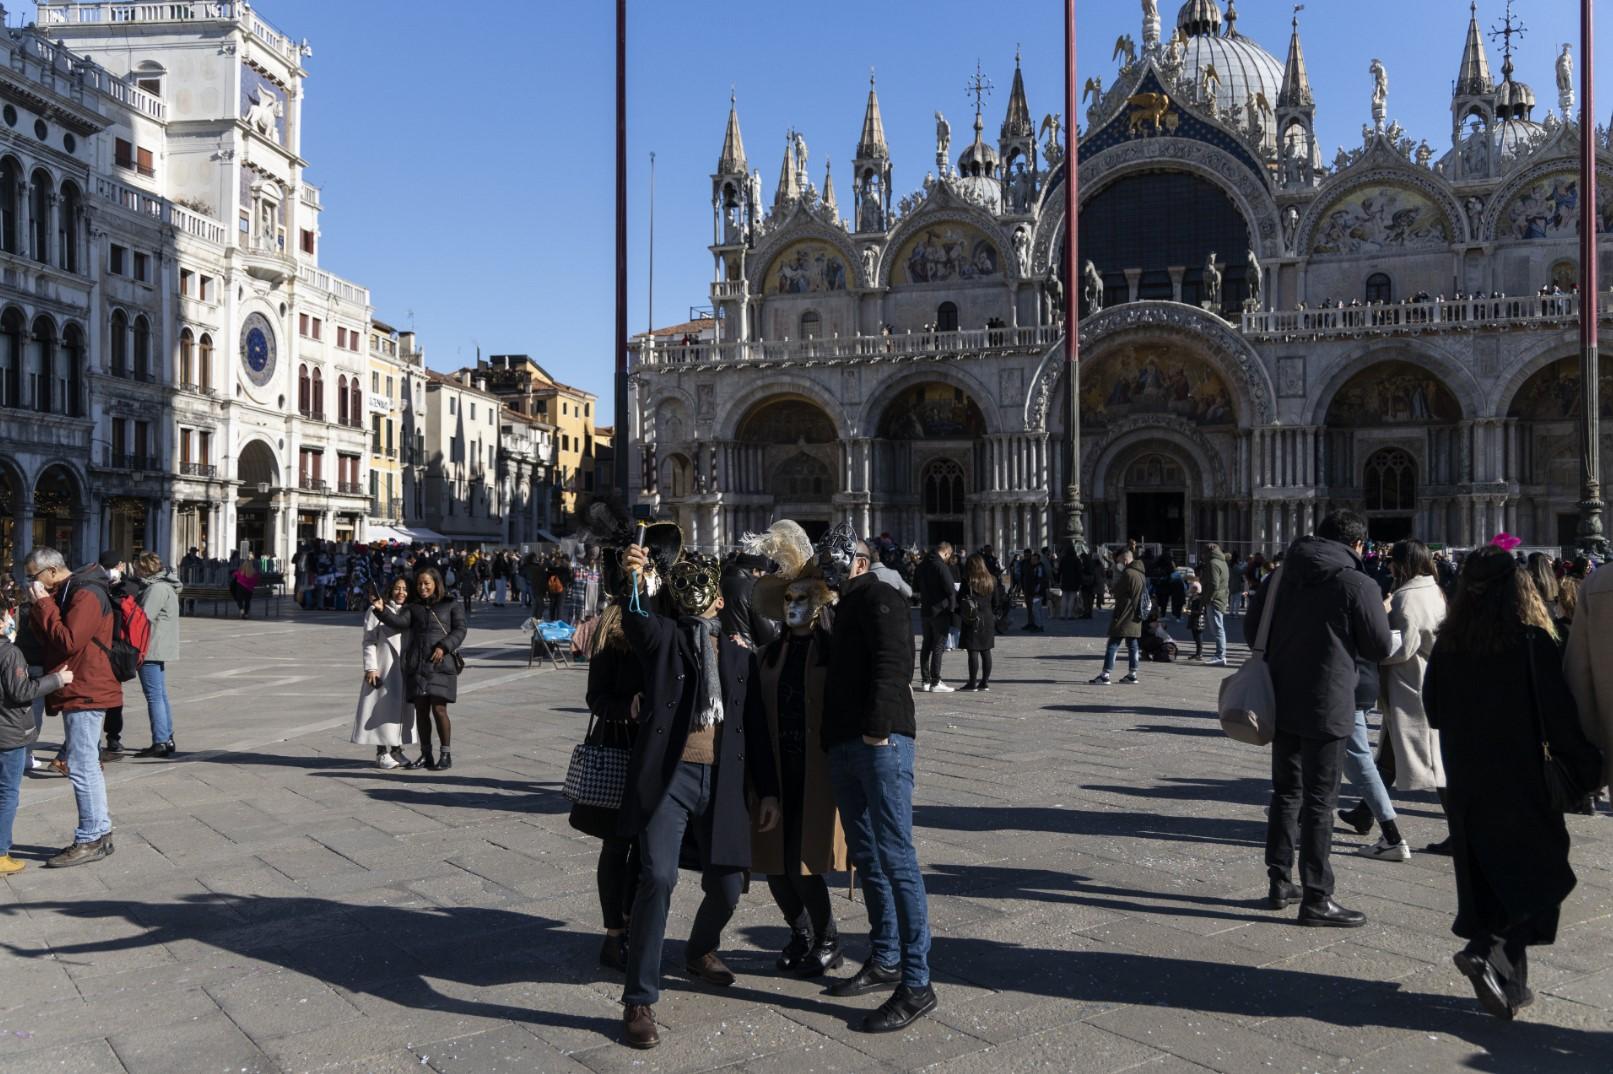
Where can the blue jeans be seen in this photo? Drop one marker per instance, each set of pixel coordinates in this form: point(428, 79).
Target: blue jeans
point(873, 786)
point(1363, 771)
point(12, 763)
point(155, 687)
point(1112, 650)
point(1218, 632)
point(83, 730)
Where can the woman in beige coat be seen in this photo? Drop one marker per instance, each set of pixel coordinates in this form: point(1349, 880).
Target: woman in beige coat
point(795, 855)
point(1416, 609)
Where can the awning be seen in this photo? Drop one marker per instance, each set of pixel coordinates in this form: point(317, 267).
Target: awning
point(545, 537)
point(374, 533)
point(421, 535)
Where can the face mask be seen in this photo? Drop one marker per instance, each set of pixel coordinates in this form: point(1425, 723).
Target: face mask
point(8, 628)
point(798, 613)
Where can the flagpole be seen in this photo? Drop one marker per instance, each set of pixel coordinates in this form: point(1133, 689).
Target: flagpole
point(1591, 538)
point(1074, 526)
point(623, 437)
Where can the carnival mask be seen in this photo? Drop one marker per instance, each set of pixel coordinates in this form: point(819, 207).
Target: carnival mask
point(802, 600)
point(694, 584)
point(837, 551)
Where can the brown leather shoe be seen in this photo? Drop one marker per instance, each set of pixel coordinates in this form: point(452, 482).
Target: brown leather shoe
point(638, 1026)
point(710, 969)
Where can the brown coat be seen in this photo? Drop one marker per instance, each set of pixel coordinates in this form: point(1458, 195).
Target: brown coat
point(823, 841)
point(1589, 663)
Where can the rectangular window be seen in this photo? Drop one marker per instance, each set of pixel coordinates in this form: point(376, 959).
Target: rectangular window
point(389, 435)
point(473, 410)
point(450, 405)
point(562, 409)
point(318, 327)
point(588, 410)
point(120, 439)
point(184, 447)
point(307, 241)
point(375, 434)
point(341, 337)
point(375, 383)
point(302, 324)
point(142, 440)
point(123, 153)
point(204, 448)
point(389, 387)
point(144, 164)
point(186, 280)
point(142, 267)
point(205, 288)
point(116, 262)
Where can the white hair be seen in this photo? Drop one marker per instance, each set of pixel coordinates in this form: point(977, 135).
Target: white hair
point(43, 559)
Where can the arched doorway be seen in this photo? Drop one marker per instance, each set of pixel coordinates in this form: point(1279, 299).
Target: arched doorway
point(10, 507)
point(944, 506)
point(1153, 489)
point(259, 476)
point(1389, 494)
point(58, 512)
point(929, 434)
point(1546, 408)
point(786, 459)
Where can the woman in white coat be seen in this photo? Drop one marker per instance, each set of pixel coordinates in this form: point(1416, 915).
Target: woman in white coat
point(385, 718)
point(1416, 610)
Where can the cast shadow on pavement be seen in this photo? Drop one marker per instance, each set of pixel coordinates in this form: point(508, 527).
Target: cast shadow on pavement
point(1128, 710)
point(1047, 885)
point(426, 788)
point(1077, 822)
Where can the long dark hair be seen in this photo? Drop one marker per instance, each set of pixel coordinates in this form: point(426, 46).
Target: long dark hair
point(440, 589)
point(979, 575)
point(1494, 603)
point(1544, 575)
point(1410, 558)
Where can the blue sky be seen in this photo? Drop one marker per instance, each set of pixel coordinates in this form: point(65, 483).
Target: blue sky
point(465, 151)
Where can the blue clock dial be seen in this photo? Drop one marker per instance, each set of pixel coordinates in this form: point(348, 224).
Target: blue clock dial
point(257, 349)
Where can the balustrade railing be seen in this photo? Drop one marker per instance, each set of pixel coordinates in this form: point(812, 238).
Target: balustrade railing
point(342, 289)
point(1442, 315)
point(967, 341)
point(91, 12)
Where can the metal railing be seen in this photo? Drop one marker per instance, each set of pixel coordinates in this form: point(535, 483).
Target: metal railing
point(198, 389)
point(312, 484)
point(121, 460)
point(349, 488)
point(198, 469)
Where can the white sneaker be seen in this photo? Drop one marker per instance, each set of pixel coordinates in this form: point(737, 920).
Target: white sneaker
point(925, 687)
point(940, 688)
point(386, 760)
point(1384, 850)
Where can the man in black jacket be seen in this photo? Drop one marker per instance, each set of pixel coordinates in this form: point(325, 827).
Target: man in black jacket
point(738, 619)
point(1328, 633)
point(688, 771)
point(938, 602)
point(869, 733)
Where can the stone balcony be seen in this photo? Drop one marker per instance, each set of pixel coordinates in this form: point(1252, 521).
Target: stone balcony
point(839, 349)
point(1510, 313)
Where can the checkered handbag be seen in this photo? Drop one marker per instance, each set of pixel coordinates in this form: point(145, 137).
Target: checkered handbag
point(597, 775)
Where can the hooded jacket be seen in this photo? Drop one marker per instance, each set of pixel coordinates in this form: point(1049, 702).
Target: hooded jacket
point(159, 599)
point(1330, 633)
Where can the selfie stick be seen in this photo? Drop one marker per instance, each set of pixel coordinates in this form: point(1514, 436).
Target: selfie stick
point(633, 603)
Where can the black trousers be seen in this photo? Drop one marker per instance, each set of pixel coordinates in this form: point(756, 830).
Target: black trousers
point(1508, 955)
point(113, 725)
point(1304, 792)
point(936, 629)
point(618, 881)
point(803, 898)
point(687, 804)
point(979, 665)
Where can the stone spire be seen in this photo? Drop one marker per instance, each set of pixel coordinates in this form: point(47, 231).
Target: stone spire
point(1018, 123)
point(1474, 79)
point(871, 146)
point(1296, 91)
point(789, 178)
point(829, 190)
point(732, 160)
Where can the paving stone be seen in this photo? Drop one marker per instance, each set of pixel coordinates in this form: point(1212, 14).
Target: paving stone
point(90, 1057)
point(209, 1043)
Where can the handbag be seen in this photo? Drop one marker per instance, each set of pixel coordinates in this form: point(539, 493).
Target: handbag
point(1247, 704)
point(597, 774)
point(1572, 775)
point(453, 654)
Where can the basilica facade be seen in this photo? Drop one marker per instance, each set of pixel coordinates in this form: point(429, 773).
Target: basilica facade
point(1267, 330)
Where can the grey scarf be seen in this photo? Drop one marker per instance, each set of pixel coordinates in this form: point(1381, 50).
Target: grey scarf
point(708, 698)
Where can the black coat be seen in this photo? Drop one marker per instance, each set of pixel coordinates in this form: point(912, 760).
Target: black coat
point(615, 678)
point(1509, 846)
point(938, 596)
point(737, 615)
point(869, 689)
point(1330, 633)
point(980, 636)
point(665, 650)
point(429, 626)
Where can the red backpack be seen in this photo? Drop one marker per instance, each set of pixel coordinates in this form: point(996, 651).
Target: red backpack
point(131, 637)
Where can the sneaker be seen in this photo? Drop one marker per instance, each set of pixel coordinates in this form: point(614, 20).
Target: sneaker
point(926, 687)
point(1129, 680)
point(10, 865)
point(1384, 850)
point(967, 687)
point(984, 687)
point(82, 853)
point(940, 688)
point(386, 760)
point(114, 746)
point(1101, 680)
point(1214, 663)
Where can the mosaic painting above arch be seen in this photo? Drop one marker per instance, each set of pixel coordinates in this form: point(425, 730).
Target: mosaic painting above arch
point(1381, 219)
point(1552, 394)
point(1393, 393)
point(808, 267)
point(932, 411)
point(789, 420)
point(946, 253)
point(1151, 379)
point(1549, 209)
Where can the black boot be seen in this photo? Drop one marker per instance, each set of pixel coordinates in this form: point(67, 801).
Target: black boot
point(444, 760)
point(425, 760)
point(613, 952)
point(1359, 818)
point(797, 949)
point(1283, 894)
point(824, 956)
point(1325, 913)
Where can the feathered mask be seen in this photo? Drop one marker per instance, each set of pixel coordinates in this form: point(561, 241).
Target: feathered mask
point(785, 543)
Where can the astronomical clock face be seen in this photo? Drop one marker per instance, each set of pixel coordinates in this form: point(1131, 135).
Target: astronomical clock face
point(258, 349)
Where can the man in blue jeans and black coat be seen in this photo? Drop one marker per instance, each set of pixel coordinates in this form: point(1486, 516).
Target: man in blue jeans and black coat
point(688, 773)
point(868, 733)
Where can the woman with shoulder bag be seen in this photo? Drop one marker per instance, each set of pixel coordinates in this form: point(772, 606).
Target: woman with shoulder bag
point(1496, 693)
point(615, 688)
point(435, 621)
point(383, 719)
point(982, 604)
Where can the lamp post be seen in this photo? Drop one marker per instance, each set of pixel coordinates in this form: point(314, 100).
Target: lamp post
point(619, 477)
point(1074, 528)
point(1592, 541)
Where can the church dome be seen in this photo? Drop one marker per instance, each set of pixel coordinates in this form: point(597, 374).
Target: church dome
point(1246, 70)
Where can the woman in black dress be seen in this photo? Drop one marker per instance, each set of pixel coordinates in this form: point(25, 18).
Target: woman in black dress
point(983, 604)
point(435, 621)
point(1494, 679)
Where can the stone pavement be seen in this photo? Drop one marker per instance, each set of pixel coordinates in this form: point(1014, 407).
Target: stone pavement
point(1093, 858)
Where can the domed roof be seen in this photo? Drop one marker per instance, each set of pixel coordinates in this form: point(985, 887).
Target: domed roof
point(1518, 138)
point(1246, 70)
point(981, 191)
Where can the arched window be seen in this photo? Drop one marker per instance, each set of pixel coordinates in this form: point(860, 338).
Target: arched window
point(40, 187)
point(341, 400)
point(946, 317)
point(355, 408)
point(675, 477)
point(1565, 275)
point(67, 229)
point(318, 402)
point(1379, 288)
point(304, 389)
point(204, 364)
point(42, 366)
point(10, 197)
point(811, 325)
point(187, 359)
point(1390, 482)
point(142, 348)
point(943, 488)
point(802, 477)
point(73, 357)
point(12, 333)
point(118, 352)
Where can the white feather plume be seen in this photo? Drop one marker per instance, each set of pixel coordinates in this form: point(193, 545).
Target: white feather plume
point(785, 543)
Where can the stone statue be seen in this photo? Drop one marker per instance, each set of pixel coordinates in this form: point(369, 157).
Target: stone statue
point(1125, 46)
point(1209, 83)
point(755, 192)
point(1092, 91)
point(870, 263)
point(1092, 287)
point(1050, 130)
point(1290, 226)
point(1212, 283)
point(1380, 92)
point(943, 137)
point(1150, 11)
point(1176, 49)
point(1475, 212)
point(1256, 280)
point(1150, 26)
point(1425, 153)
point(800, 154)
point(1565, 80)
point(1022, 249)
point(1053, 290)
point(262, 113)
